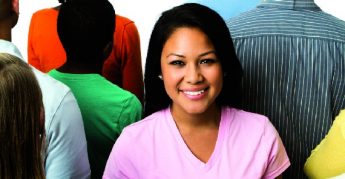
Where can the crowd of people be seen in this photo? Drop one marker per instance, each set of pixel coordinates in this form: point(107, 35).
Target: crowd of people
point(259, 95)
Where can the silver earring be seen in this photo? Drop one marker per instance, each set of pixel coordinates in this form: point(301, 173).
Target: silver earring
point(160, 77)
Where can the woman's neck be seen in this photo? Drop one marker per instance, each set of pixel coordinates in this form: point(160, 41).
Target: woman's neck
point(208, 119)
point(199, 131)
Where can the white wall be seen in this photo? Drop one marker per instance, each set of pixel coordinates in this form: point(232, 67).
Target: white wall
point(143, 12)
point(334, 7)
point(26, 9)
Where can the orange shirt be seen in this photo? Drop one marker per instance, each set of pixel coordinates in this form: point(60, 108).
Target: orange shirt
point(123, 66)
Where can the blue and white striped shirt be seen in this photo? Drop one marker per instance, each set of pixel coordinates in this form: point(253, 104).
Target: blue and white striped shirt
point(293, 57)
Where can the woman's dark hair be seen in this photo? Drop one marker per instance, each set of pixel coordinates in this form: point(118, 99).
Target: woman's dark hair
point(211, 23)
point(21, 123)
point(85, 27)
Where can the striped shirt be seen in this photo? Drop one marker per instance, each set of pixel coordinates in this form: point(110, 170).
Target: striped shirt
point(293, 57)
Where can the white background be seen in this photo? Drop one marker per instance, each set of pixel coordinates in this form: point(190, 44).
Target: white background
point(143, 12)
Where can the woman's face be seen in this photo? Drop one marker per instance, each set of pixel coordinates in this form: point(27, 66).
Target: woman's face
point(191, 71)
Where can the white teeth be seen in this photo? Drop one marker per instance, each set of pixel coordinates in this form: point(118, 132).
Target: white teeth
point(194, 93)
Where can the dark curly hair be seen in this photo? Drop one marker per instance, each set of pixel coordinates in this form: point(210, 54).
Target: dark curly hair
point(85, 27)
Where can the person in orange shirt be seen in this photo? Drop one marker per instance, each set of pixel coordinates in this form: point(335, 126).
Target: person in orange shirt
point(122, 67)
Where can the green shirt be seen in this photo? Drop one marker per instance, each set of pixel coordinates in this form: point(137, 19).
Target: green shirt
point(106, 109)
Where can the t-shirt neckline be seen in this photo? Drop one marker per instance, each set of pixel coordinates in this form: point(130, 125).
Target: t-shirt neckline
point(223, 125)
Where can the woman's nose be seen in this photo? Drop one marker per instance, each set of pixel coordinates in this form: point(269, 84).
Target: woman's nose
point(193, 75)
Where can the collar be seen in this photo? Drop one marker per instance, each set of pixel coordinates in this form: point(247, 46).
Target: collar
point(10, 48)
point(291, 4)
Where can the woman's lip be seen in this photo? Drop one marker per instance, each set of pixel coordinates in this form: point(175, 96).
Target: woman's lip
point(194, 94)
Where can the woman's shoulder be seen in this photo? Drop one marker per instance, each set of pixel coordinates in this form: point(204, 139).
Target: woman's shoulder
point(253, 134)
point(242, 116)
point(142, 134)
point(146, 126)
point(250, 123)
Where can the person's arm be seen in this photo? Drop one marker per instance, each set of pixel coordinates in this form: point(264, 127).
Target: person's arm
point(132, 75)
point(66, 155)
point(278, 160)
point(131, 113)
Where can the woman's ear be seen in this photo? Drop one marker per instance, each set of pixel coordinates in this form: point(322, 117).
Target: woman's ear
point(13, 18)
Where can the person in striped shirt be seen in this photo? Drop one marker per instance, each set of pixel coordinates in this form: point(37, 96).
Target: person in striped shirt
point(293, 57)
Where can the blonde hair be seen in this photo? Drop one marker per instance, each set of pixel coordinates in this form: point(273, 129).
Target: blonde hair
point(21, 123)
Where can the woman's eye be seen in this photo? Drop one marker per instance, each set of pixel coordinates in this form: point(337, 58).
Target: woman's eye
point(208, 61)
point(177, 62)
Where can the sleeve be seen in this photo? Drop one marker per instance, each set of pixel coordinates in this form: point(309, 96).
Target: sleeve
point(67, 150)
point(328, 158)
point(32, 57)
point(116, 164)
point(114, 167)
point(132, 75)
point(132, 112)
point(278, 160)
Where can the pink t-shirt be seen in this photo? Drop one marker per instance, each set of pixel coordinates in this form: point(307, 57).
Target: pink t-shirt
point(248, 147)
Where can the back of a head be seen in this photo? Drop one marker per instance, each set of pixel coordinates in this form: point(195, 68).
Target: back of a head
point(85, 27)
point(8, 12)
point(5, 8)
point(21, 122)
point(211, 23)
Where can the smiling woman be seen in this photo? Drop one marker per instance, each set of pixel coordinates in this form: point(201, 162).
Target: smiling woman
point(192, 128)
point(191, 72)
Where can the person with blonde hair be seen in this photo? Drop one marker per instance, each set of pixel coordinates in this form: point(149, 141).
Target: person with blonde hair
point(21, 120)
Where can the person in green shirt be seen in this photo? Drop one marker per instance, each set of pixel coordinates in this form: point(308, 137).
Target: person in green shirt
point(86, 29)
